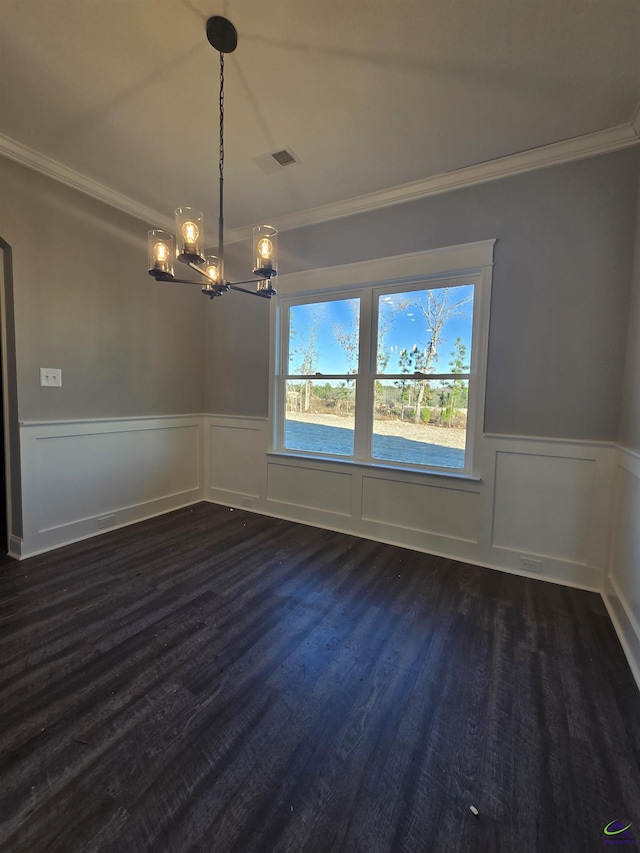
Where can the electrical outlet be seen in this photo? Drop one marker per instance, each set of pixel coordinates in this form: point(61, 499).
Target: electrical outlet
point(51, 377)
point(529, 564)
point(106, 521)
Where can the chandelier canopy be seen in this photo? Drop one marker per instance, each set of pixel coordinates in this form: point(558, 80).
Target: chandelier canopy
point(188, 245)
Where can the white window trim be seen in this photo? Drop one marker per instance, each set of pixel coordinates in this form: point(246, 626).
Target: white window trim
point(473, 261)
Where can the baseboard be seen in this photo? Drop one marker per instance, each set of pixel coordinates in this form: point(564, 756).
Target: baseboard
point(77, 531)
point(625, 625)
point(571, 575)
point(83, 478)
point(562, 521)
point(15, 547)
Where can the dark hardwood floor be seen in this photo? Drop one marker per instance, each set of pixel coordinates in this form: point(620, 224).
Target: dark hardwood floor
point(216, 680)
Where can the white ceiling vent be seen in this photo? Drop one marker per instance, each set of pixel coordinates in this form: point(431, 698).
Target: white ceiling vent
point(275, 160)
point(284, 157)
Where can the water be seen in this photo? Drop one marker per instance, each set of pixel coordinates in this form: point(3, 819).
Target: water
point(338, 441)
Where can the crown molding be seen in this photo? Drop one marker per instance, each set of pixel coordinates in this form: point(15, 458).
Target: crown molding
point(635, 121)
point(555, 154)
point(63, 174)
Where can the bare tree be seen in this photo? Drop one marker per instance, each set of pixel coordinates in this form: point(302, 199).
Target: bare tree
point(348, 335)
point(307, 339)
point(437, 306)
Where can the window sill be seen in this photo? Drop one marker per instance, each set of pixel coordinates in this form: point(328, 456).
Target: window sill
point(375, 466)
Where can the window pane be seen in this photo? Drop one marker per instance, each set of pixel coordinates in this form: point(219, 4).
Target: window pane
point(323, 337)
point(320, 416)
point(421, 422)
point(425, 330)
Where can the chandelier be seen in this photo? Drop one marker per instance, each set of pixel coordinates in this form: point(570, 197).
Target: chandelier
point(188, 245)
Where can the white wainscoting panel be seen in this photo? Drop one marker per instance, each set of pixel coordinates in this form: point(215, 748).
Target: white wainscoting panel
point(622, 592)
point(310, 487)
point(543, 504)
point(543, 498)
point(82, 478)
point(441, 511)
point(236, 465)
point(547, 499)
point(551, 500)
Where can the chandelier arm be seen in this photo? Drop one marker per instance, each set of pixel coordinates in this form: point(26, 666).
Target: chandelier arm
point(200, 271)
point(181, 281)
point(248, 281)
point(264, 294)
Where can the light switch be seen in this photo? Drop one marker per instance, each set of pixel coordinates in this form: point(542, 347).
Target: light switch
point(51, 377)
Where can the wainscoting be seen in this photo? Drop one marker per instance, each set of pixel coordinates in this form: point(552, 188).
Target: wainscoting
point(622, 587)
point(539, 499)
point(564, 507)
point(81, 478)
point(546, 500)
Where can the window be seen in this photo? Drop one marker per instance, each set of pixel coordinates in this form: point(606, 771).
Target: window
point(385, 373)
point(323, 341)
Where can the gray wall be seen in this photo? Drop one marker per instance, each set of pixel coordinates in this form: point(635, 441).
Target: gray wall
point(84, 302)
point(630, 422)
point(129, 346)
point(560, 293)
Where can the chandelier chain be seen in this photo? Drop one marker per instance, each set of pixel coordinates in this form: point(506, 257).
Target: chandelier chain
point(190, 246)
point(221, 160)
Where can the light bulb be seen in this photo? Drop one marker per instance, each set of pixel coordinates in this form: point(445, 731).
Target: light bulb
point(160, 252)
point(265, 248)
point(190, 233)
point(212, 272)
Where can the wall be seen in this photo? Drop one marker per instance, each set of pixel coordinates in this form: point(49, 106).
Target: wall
point(556, 354)
point(129, 349)
point(539, 498)
point(141, 361)
point(623, 582)
point(134, 374)
point(560, 292)
point(84, 302)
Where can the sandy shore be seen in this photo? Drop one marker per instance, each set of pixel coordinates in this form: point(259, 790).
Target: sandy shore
point(414, 432)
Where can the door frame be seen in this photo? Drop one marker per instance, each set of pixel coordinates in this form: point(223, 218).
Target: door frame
point(13, 483)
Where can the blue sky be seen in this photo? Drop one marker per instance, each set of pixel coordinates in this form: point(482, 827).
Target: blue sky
point(407, 328)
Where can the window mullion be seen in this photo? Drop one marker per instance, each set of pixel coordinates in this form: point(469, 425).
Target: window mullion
point(364, 389)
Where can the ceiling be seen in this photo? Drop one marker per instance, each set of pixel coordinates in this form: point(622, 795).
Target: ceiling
point(369, 94)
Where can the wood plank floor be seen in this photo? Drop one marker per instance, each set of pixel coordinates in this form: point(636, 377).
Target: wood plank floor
point(215, 680)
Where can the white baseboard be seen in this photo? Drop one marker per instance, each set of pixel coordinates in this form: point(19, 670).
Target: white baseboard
point(86, 528)
point(622, 590)
point(80, 476)
point(14, 547)
point(572, 575)
point(84, 478)
point(541, 498)
point(626, 627)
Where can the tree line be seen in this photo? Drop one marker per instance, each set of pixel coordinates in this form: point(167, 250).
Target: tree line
point(412, 394)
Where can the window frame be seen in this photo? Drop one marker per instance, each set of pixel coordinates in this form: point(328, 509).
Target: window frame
point(283, 361)
point(369, 281)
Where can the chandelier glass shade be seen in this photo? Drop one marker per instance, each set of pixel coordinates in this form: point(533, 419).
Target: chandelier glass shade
point(188, 244)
